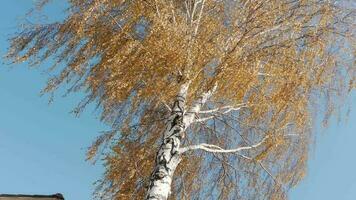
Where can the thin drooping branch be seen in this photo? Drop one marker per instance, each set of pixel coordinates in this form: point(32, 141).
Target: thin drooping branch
point(262, 166)
point(216, 149)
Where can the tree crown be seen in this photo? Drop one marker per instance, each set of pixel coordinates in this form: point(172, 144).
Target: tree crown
point(271, 59)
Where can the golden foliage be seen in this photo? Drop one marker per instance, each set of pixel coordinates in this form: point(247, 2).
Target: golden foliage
point(282, 58)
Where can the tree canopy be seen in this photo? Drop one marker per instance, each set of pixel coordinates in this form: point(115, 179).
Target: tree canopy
point(274, 65)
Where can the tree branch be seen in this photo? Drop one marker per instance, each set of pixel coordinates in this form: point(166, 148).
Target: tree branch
point(205, 119)
point(199, 18)
point(190, 116)
point(262, 166)
point(216, 149)
point(220, 110)
point(166, 106)
point(228, 109)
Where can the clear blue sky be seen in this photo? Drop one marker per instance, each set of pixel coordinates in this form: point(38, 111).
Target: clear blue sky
point(42, 147)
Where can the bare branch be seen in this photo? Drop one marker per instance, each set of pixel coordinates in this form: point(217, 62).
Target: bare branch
point(228, 109)
point(205, 118)
point(173, 12)
point(191, 114)
point(264, 74)
point(216, 149)
point(220, 110)
point(157, 9)
point(262, 166)
point(199, 18)
point(166, 106)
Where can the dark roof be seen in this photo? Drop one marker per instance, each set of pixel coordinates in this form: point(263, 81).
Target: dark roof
point(57, 196)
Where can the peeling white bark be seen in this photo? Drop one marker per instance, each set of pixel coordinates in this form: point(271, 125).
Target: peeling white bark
point(168, 156)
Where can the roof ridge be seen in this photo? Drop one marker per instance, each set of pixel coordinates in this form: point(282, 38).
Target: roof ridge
point(57, 195)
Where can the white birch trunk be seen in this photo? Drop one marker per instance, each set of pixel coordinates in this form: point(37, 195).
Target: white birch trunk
point(168, 156)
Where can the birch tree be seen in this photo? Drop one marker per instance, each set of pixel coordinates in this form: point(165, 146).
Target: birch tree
point(207, 99)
